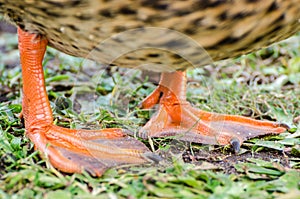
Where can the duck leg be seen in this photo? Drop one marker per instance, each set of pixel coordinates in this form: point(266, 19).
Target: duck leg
point(176, 117)
point(68, 150)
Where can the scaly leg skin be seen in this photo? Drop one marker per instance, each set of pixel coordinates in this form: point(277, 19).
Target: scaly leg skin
point(69, 150)
point(176, 117)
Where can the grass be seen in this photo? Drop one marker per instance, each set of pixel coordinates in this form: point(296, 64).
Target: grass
point(262, 85)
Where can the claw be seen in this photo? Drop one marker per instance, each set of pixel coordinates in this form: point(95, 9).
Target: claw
point(284, 125)
point(152, 157)
point(236, 144)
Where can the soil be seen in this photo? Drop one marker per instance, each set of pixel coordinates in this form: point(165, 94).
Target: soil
point(226, 161)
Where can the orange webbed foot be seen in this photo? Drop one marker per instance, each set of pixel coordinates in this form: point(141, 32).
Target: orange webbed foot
point(176, 117)
point(67, 149)
point(93, 151)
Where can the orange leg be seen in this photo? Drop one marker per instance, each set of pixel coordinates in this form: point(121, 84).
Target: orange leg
point(67, 149)
point(176, 117)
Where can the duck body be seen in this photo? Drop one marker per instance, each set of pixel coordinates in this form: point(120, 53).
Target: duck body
point(171, 34)
point(223, 28)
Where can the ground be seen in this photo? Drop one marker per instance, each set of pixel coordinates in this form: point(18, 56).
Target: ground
point(261, 85)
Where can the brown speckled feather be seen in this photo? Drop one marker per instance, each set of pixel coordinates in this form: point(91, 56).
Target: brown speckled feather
point(224, 28)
